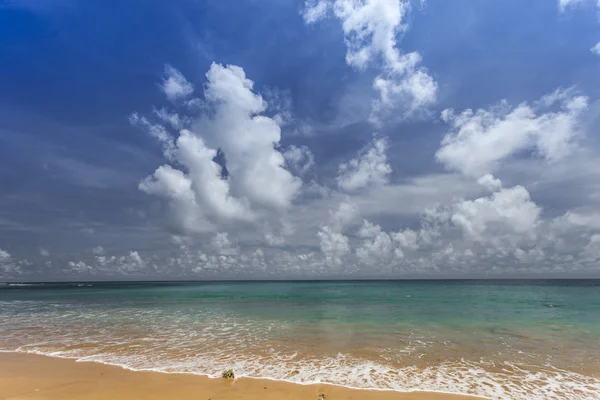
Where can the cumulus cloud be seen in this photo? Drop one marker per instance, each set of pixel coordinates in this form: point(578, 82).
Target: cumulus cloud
point(44, 252)
point(505, 210)
point(131, 263)
point(173, 119)
point(202, 189)
point(223, 245)
point(227, 172)
point(563, 5)
point(370, 31)
point(174, 85)
point(247, 138)
point(334, 245)
point(369, 168)
point(478, 221)
point(158, 132)
point(102, 264)
point(7, 265)
point(406, 239)
point(176, 187)
point(274, 240)
point(377, 245)
point(315, 10)
point(344, 214)
point(230, 179)
point(490, 182)
point(574, 218)
point(592, 249)
point(199, 194)
point(479, 140)
point(98, 250)
point(79, 267)
point(299, 159)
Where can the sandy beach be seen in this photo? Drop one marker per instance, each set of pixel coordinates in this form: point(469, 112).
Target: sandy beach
point(35, 377)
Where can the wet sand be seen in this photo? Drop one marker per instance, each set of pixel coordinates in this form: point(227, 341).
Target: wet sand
point(35, 377)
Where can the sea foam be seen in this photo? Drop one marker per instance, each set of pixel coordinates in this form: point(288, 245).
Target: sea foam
point(506, 381)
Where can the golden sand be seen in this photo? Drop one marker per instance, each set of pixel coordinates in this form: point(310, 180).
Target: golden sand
point(33, 377)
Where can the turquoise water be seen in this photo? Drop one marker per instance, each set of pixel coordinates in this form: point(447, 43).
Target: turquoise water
point(497, 339)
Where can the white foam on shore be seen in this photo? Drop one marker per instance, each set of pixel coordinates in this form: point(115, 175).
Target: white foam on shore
point(467, 378)
point(207, 343)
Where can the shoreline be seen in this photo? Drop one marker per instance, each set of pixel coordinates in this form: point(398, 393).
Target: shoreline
point(27, 376)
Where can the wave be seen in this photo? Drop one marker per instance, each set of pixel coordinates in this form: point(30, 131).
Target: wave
point(480, 379)
point(24, 284)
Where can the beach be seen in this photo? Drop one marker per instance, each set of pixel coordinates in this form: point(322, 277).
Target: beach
point(35, 377)
point(496, 340)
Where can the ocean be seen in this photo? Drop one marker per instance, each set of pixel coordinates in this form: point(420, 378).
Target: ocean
point(496, 339)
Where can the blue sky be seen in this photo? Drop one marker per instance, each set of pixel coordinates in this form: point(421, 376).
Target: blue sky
point(346, 148)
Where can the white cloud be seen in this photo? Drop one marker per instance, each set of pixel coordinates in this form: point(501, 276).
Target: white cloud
point(257, 179)
point(592, 249)
point(369, 230)
point(583, 220)
point(7, 265)
point(299, 159)
point(44, 252)
point(173, 119)
point(461, 221)
point(488, 181)
point(176, 186)
point(369, 168)
point(157, 131)
point(507, 210)
point(377, 245)
point(98, 250)
point(345, 214)
point(223, 245)
point(204, 177)
point(315, 10)
point(274, 240)
point(479, 140)
point(131, 263)
point(11, 267)
point(109, 265)
point(406, 239)
point(416, 91)
point(175, 85)
point(381, 246)
point(247, 138)
point(280, 105)
point(334, 245)
point(370, 31)
point(564, 4)
point(79, 267)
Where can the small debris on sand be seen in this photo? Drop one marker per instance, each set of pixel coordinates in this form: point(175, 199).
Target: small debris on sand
point(228, 374)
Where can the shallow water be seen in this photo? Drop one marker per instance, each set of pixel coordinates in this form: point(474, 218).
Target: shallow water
point(497, 339)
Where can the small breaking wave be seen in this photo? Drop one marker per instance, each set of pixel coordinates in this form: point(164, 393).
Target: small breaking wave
point(487, 380)
point(23, 284)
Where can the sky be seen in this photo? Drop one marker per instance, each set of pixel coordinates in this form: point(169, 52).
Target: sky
point(292, 139)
